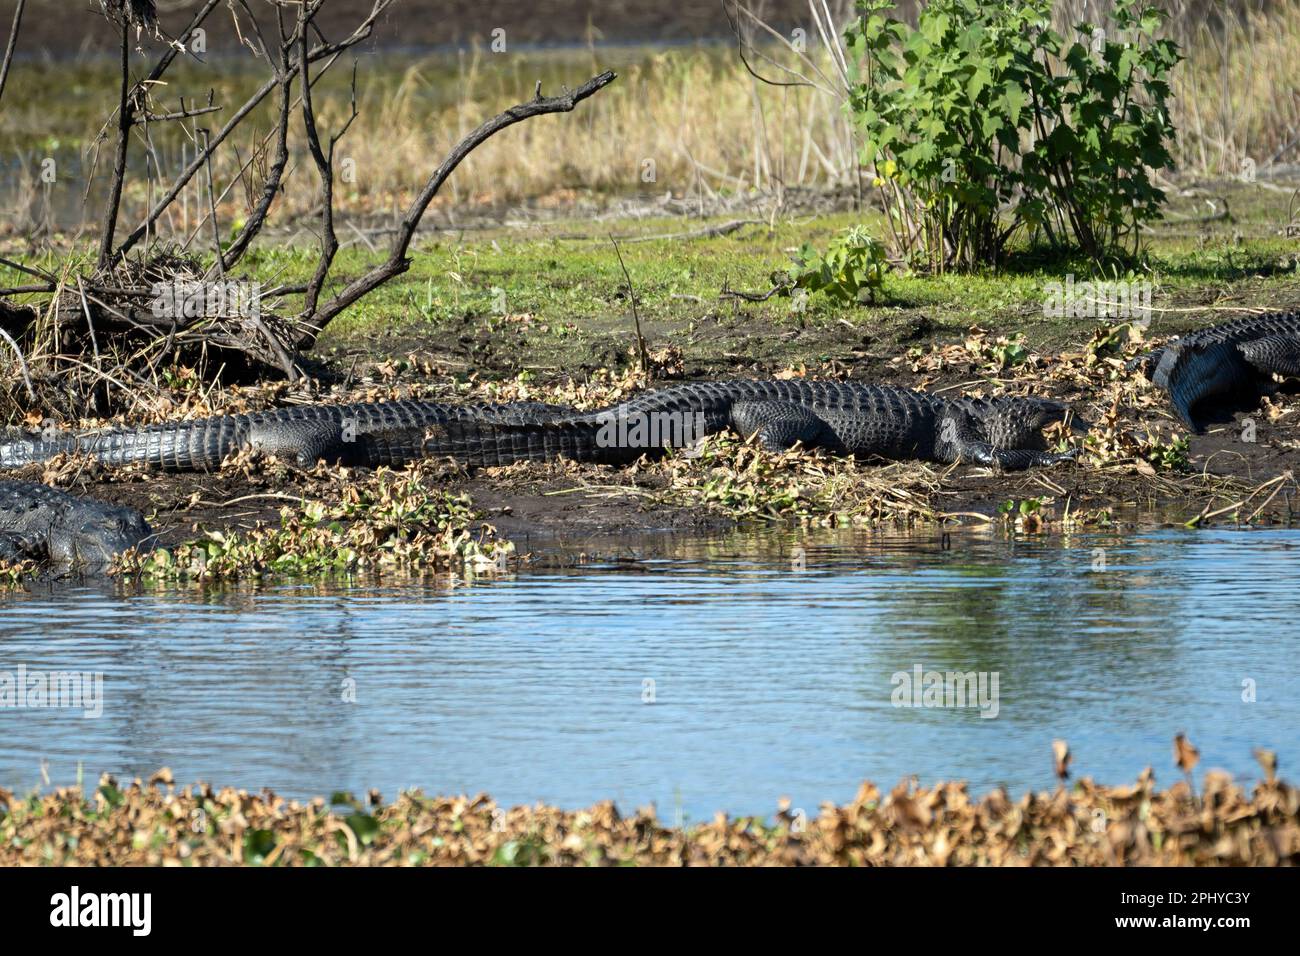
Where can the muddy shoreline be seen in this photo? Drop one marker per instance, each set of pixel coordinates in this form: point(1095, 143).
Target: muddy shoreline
point(560, 506)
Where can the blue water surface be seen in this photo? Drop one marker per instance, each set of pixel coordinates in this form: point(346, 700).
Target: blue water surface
point(697, 674)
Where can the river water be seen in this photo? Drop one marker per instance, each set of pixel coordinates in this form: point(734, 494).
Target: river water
point(697, 674)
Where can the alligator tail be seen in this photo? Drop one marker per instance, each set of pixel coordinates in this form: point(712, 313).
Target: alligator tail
point(177, 446)
point(20, 447)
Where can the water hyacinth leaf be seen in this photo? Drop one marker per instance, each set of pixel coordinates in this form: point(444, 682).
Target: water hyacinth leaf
point(111, 794)
point(258, 844)
point(364, 826)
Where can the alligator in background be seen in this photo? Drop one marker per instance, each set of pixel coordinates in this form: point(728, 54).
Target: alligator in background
point(1213, 372)
point(52, 527)
point(866, 420)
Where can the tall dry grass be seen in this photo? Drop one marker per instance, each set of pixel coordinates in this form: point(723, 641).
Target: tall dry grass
point(679, 120)
point(706, 125)
point(692, 121)
point(1237, 97)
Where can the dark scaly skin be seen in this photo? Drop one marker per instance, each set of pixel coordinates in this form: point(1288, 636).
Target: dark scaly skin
point(49, 526)
point(1224, 366)
point(866, 420)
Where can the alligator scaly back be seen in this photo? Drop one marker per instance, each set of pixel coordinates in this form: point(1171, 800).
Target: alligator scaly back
point(867, 420)
point(1214, 371)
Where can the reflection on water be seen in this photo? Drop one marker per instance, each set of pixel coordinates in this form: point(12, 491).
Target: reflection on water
point(696, 674)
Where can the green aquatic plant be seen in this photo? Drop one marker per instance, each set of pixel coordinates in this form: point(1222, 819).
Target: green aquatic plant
point(389, 521)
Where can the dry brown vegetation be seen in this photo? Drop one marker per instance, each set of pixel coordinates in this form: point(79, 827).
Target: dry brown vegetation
point(710, 128)
point(1087, 825)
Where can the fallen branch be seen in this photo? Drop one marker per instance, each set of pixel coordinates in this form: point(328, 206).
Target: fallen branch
point(707, 232)
point(730, 293)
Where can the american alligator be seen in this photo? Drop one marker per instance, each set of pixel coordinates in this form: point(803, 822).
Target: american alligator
point(867, 420)
point(1227, 367)
point(52, 527)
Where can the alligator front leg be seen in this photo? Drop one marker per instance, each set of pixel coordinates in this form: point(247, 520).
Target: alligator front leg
point(1009, 459)
point(306, 442)
point(779, 425)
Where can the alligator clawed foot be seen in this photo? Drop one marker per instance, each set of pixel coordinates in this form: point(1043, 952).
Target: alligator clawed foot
point(1057, 458)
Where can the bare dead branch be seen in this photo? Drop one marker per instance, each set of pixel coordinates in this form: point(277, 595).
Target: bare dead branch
point(643, 354)
point(729, 293)
point(220, 263)
point(22, 362)
point(271, 185)
point(321, 52)
point(131, 99)
point(315, 321)
point(26, 290)
point(9, 49)
point(704, 232)
point(743, 44)
point(29, 270)
point(119, 157)
point(182, 114)
point(325, 168)
point(90, 323)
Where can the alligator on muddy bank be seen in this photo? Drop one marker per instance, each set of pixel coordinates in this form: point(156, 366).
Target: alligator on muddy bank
point(1213, 372)
point(865, 420)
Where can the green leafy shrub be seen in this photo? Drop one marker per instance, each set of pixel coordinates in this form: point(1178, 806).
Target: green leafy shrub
point(982, 121)
point(850, 271)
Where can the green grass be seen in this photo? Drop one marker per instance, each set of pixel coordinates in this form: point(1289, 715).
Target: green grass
point(502, 301)
point(470, 294)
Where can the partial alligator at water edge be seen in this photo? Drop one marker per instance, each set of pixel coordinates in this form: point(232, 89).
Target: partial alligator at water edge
point(865, 420)
point(54, 528)
point(1213, 372)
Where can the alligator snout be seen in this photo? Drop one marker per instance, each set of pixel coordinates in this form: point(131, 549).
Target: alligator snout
point(98, 540)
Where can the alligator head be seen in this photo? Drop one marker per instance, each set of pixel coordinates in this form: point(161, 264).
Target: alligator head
point(93, 544)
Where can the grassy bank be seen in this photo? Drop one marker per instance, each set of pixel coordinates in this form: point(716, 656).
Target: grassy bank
point(1085, 825)
point(544, 313)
